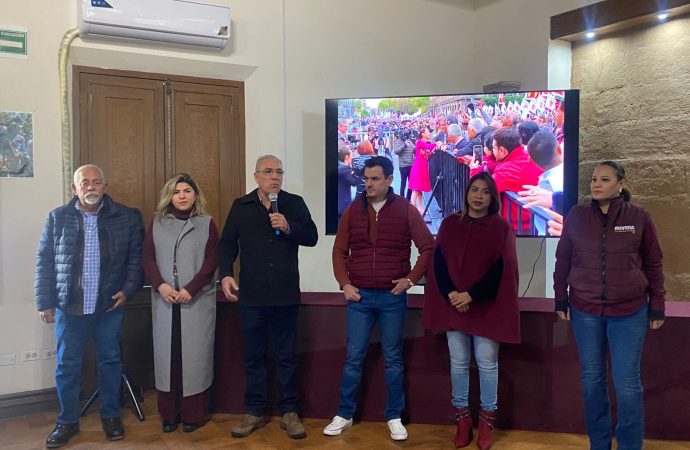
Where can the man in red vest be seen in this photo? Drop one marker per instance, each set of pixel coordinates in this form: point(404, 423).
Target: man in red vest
point(371, 262)
point(513, 170)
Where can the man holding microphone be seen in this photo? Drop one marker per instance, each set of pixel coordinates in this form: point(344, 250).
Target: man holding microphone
point(266, 233)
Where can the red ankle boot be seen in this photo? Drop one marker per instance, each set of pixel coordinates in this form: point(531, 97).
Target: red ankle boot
point(463, 432)
point(487, 422)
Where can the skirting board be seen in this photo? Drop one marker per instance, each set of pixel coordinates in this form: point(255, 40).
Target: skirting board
point(27, 403)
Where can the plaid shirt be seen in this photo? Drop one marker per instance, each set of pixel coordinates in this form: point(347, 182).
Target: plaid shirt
point(91, 269)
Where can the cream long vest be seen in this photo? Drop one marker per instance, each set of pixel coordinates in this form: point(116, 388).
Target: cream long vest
point(198, 317)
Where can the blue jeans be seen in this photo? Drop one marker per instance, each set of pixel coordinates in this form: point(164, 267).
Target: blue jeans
point(624, 337)
point(486, 354)
point(71, 333)
point(389, 310)
point(281, 323)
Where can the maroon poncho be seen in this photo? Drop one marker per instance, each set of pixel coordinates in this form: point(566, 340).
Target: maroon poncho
point(480, 258)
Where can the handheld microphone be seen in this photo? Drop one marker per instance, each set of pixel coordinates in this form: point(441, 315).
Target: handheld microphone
point(273, 198)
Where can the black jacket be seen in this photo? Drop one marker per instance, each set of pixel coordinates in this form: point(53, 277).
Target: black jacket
point(346, 179)
point(465, 148)
point(269, 267)
point(60, 254)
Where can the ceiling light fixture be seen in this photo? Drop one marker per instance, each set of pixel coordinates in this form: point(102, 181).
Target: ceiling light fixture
point(662, 16)
point(590, 34)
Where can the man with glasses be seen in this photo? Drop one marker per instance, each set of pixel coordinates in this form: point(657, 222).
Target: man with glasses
point(267, 238)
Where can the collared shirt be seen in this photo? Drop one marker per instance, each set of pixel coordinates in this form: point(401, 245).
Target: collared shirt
point(552, 179)
point(91, 268)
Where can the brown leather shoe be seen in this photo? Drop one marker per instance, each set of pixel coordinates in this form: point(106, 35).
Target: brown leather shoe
point(293, 425)
point(247, 425)
point(61, 434)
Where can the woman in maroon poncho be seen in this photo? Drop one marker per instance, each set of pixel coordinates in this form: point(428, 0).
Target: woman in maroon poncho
point(471, 293)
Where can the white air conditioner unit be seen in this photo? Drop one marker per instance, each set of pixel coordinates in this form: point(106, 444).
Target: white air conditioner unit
point(177, 21)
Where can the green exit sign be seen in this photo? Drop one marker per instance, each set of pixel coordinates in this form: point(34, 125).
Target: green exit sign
point(13, 43)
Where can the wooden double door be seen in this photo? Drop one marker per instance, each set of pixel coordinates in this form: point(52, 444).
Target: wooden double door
point(141, 128)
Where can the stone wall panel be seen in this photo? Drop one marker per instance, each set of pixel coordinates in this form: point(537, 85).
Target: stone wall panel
point(635, 108)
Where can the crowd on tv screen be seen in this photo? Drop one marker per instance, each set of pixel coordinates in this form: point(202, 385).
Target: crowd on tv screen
point(520, 146)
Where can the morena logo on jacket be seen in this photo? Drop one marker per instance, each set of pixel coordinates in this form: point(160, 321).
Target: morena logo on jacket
point(624, 229)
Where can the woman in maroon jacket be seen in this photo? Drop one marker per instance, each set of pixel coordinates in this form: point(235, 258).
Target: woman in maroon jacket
point(471, 293)
point(609, 280)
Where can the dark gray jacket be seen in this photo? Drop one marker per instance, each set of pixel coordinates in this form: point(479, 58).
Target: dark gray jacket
point(404, 148)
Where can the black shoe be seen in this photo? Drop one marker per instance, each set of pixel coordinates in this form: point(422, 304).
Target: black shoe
point(169, 427)
point(61, 434)
point(189, 427)
point(113, 429)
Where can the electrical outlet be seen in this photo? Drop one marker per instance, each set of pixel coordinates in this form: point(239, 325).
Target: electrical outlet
point(7, 359)
point(49, 353)
point(29, 355)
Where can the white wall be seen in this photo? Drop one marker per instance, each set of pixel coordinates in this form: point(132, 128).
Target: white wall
point(291, 54)
point(30, 86)
point(513, 39)
point(254, 57)
point(357, 49)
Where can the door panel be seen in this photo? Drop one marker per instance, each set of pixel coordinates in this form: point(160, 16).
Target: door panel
point(199, 136)
point(206, 143)
point(142, 128)
point(121, 132)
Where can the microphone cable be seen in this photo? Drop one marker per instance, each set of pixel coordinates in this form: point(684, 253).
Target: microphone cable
point(534, 266)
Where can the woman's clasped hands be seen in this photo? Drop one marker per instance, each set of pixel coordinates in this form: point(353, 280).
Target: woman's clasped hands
point(172, 296)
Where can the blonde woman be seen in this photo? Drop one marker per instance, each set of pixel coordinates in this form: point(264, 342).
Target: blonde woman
point(179, 258)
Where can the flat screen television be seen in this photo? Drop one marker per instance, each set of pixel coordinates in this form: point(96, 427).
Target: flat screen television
point(437, 142)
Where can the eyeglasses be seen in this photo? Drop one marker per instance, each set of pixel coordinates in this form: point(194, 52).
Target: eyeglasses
point(279, 172)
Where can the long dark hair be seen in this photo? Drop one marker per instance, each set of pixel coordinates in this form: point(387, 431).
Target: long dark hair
point(495, 205)
point(422, 129)
point(619, 170)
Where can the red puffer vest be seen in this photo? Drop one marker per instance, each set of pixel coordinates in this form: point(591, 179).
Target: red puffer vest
point(374, 265)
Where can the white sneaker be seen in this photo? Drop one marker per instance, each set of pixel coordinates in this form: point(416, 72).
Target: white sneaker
point(398, 431)
point(337, 426)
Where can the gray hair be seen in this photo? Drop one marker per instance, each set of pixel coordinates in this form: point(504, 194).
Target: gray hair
point(454, 130)
point(263, 158)
point(87, 166)
point(476, 124)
